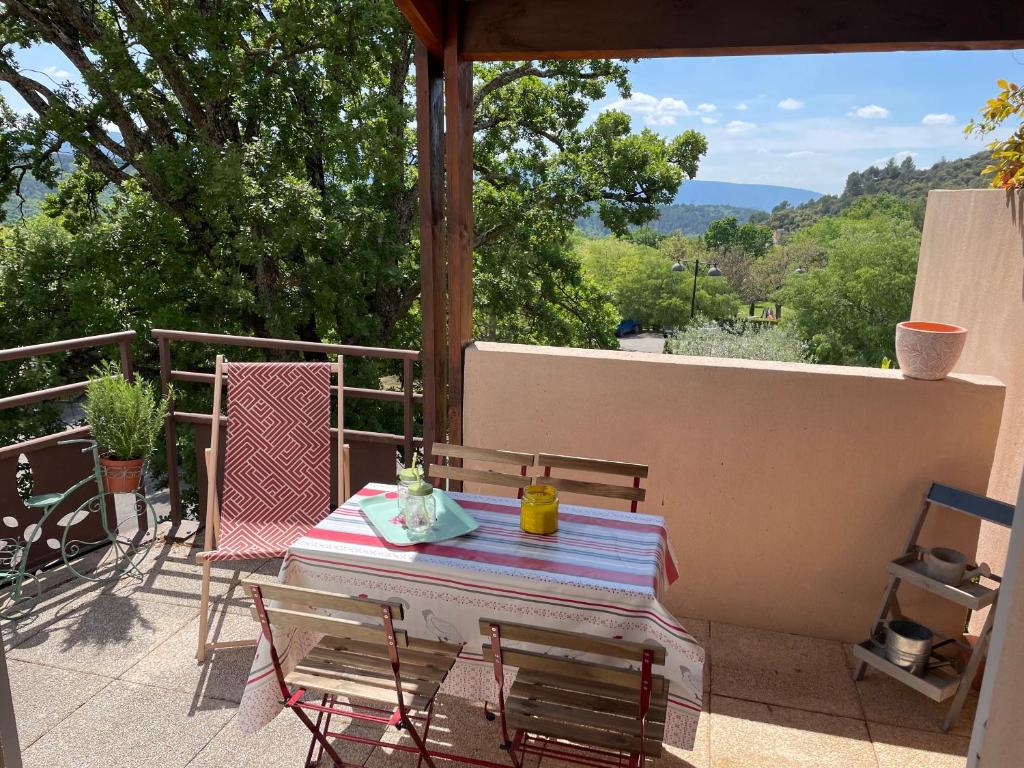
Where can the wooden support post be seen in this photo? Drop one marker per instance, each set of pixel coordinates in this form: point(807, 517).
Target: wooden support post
point(127, 363)
point(458, 93)
point(10, 752)
point(433, 293)
point(170, 433)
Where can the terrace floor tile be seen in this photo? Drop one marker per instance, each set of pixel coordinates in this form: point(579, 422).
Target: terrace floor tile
point(172, 575)
point(890, 702)
point(127, 726)
point(172, 664)
point(105, 634)
point(748, 734)
point(902, 747)
point(458, 727)
point(44, 696)
point(282, 742)
point(782, 669)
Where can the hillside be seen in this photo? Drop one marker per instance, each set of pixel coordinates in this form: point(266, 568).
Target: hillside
point(693, 220)
point(763, 197)
point(903, 180)
point(33, 191)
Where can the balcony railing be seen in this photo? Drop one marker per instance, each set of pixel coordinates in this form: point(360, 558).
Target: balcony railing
point(53, 466)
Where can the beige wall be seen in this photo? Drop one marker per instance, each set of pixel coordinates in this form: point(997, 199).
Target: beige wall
point(786, 487)
point(971, 273)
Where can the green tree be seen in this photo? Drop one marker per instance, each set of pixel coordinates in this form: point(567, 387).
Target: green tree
point(1007, 164)
point(644, 288)
point(847, 310)
point(752, 240)
point(264, 163)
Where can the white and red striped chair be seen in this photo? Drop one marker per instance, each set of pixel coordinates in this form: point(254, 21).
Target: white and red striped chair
point(277, 466)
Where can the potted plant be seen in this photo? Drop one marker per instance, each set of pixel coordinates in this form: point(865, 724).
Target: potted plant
point(125, 418)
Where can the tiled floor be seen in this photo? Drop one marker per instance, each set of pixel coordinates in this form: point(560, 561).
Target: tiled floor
point(105, 676)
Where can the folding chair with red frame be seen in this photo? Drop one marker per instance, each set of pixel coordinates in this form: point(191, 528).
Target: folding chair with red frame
point(277, 466)
point(588, 713)
point(378, 663)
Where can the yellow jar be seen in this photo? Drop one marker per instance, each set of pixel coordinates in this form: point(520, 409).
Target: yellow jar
point(539, 509)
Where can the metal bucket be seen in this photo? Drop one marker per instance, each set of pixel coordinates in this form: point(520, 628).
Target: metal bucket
point(908, 645)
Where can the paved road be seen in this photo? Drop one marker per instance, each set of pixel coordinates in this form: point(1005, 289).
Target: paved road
point(643, 342)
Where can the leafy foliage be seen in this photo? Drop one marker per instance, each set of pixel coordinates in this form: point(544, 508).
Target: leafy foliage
point(643, 286)
point(742, 339)
point(692, 220)
point(251, 168)
point(752, 240)
point(1007, 166)
point(125, 417)
point(902, 180)
point(847, 310)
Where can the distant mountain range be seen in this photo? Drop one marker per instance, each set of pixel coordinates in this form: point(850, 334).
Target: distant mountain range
point(691, 220)
point(699, 203)
point(761, 197)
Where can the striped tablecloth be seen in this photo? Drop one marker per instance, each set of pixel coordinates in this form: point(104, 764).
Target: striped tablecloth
point(601, 573)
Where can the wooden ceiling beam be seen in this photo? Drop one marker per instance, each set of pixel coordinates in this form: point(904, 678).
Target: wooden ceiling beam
point(427, 22)
point(537, 29)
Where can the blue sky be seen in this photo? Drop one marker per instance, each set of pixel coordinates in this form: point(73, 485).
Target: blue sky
point(807, 121)
point(801, 121)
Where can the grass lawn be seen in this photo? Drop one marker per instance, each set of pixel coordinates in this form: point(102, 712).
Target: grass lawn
point(744, 309)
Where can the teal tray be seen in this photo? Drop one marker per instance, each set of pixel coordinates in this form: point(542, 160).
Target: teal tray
point(452, 520)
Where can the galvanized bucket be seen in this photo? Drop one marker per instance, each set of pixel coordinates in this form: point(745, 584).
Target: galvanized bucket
point(908, 645)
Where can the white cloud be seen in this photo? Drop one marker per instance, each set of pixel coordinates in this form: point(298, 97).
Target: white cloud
point(800, 153)
point(709, 120)
point(870, 112)
point(653, 110)
point(57, 74)
point(110, 127)
point(938, 118)
point(706, 109)
point(739, 126)
point(742, 106)
point(790, 103)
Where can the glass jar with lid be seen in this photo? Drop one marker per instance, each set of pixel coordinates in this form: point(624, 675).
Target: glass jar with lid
point(539, 509)
point(420, 508)
point(406, 477)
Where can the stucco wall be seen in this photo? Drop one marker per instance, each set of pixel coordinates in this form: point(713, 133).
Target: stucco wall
point(786, 488)
point(971, 272)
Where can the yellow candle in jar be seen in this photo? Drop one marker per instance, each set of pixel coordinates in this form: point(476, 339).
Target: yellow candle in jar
point(539, 509)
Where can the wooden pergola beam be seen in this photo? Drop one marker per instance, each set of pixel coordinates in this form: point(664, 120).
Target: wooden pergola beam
point(426, 20)
point(538, 29)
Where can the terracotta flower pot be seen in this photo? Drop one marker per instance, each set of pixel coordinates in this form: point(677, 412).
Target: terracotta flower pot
point(121, 476)
point(928, 350)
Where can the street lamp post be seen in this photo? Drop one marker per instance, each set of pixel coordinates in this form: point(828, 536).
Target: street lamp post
point(713, 271)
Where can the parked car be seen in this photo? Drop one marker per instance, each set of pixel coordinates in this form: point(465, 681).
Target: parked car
point(627, 327)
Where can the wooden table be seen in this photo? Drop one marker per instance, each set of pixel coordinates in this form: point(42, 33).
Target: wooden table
point(601, 573)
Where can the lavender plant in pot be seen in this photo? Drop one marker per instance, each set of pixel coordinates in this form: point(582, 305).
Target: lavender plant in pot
point(125, 418)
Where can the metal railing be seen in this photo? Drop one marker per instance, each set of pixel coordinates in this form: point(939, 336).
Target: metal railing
point(123, 340)
point(169, 375)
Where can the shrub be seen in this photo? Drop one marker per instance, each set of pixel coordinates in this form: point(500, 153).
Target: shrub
point(125, 417)
point(742, 339)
